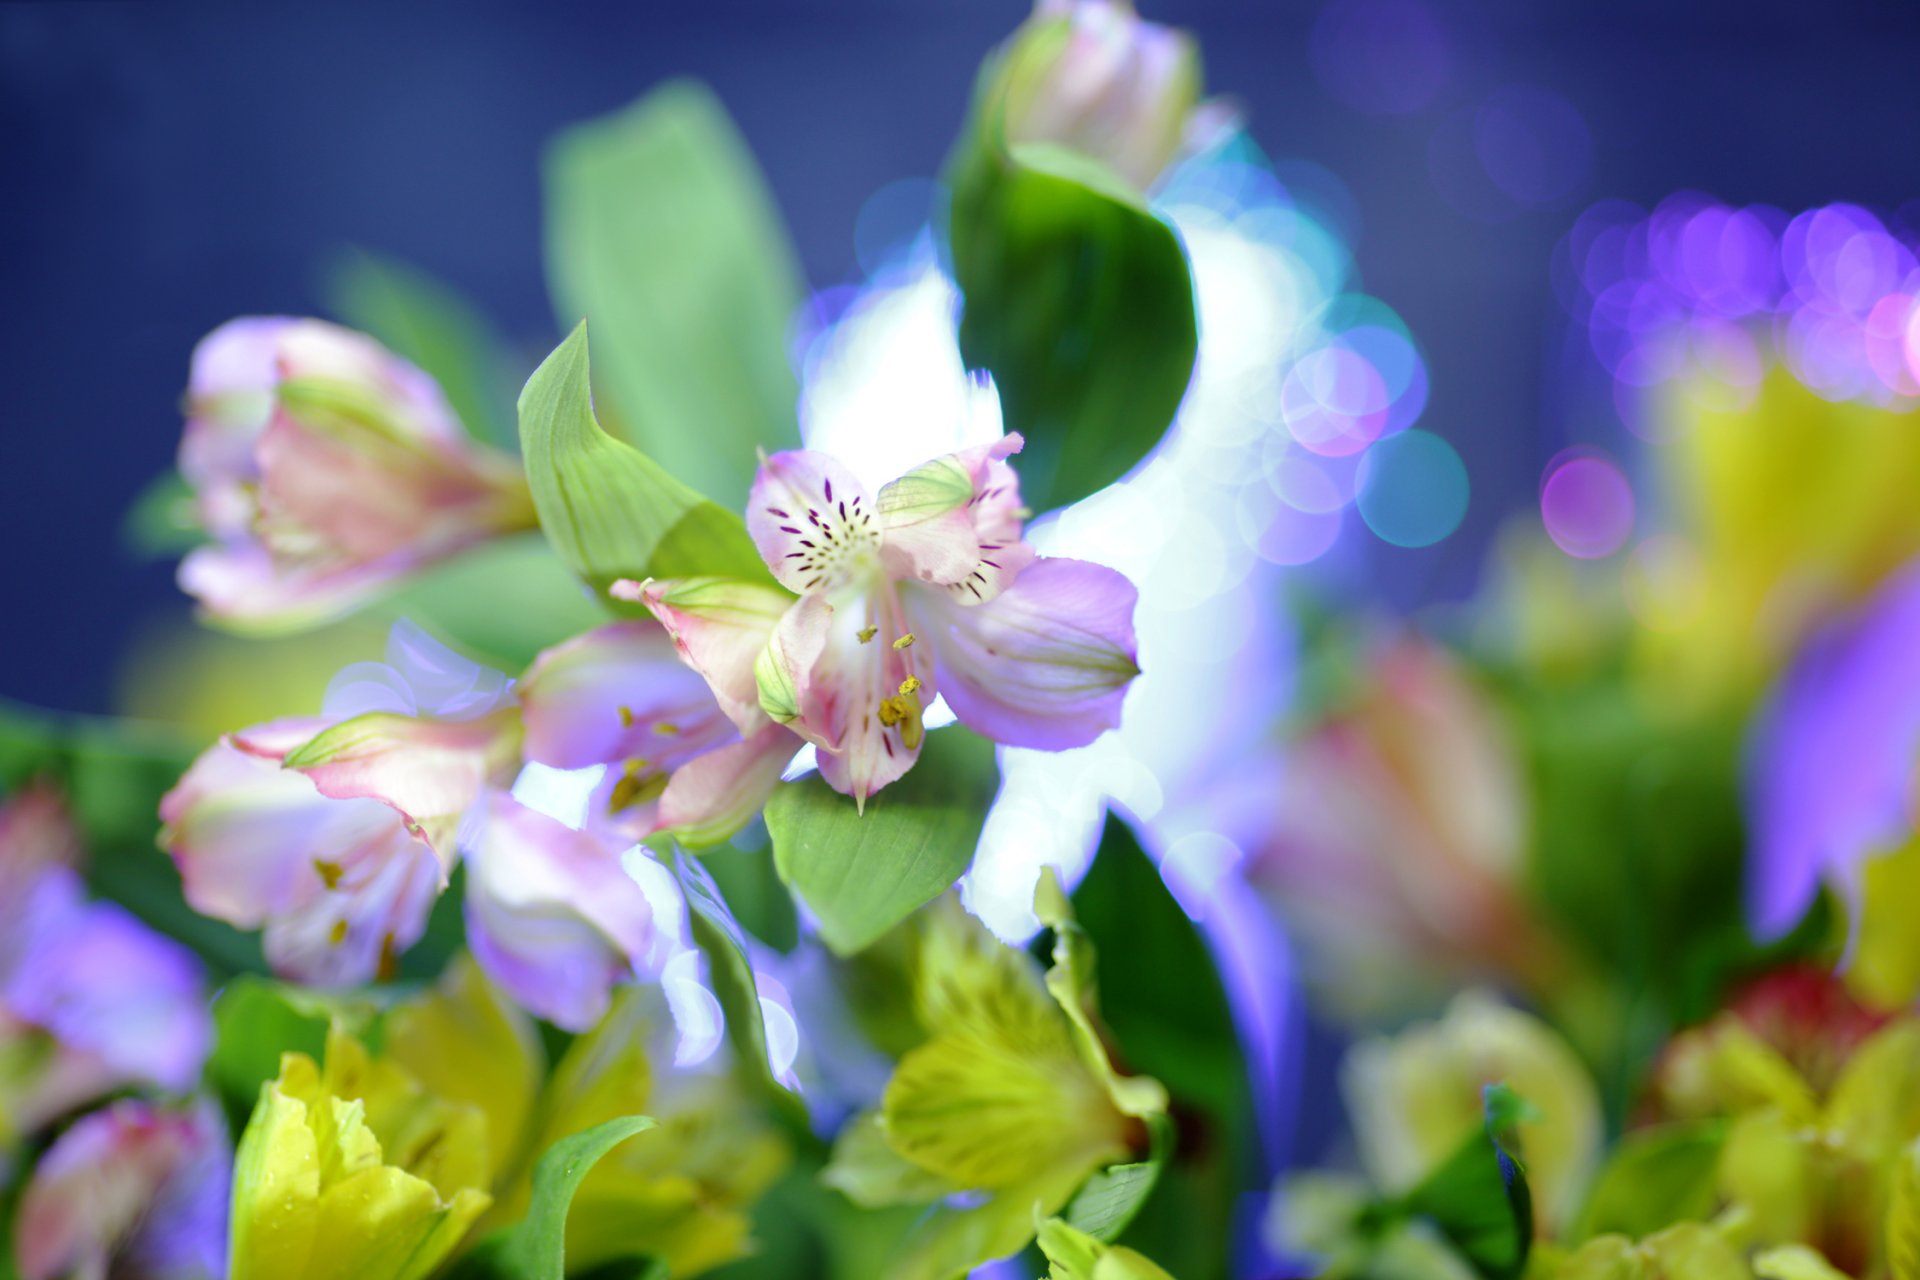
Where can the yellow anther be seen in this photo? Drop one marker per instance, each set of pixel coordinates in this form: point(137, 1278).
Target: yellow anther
point(667, 727)
point(867, 633)
point(910, 685)
point(626, 717)
point(904, 642)
point(330, 872)
point(337, 934)
point(636, 785)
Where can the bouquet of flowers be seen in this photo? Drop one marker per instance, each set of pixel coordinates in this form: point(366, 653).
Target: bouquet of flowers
point(899, 781)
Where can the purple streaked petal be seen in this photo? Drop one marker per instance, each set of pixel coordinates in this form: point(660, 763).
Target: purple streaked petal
point(1044, 664)
point(814, 523)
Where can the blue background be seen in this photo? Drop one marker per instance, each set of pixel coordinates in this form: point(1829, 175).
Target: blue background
point(166, 167)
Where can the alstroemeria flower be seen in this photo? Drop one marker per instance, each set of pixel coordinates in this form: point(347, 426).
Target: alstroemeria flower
point(1091, 76)
point(336, 833)
point(619, 696)
point(91, 1000)
point(133, 1191)
point(551, 914)
point(326, 467)
point(924, 588)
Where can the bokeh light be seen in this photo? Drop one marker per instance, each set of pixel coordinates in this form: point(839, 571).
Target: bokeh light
point(1587, 505)
point(1412, 489)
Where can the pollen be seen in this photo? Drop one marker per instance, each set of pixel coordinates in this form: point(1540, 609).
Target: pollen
point(337, 934)
point(867, 633)
point(667, 727)
point(626, 717)
point(910, 685)
point(904, 642)
point(637, 785)
point(330, 872)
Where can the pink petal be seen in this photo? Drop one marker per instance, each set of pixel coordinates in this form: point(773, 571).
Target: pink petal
point(710, 798)
point(428, 771)
point(552, 915)
point(719, 626)
point(956, 522)
point(812, 521)
point(1046, 663)
point(857, 688)
point(784, 674)
point(341, 886)
point(618, 693)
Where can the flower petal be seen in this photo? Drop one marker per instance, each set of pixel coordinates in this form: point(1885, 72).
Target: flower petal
point(719, 625)
point(428, 771)
point(710, 798)
point(618, 693)
point(551, 914)
point(956, 522)
point(812, 521)
point(863, 698)
point(1044, 664)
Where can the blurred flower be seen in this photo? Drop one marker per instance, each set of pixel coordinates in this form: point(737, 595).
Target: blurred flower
point(620, 696)
point(551, 914)
point(336, 833)
point(325, 468)
point(928, 589)
point(1687, 1249)
point(1417, 1096)
point(354, 1171)
point(1090, 76)
point(682, 1192)
point(1007, 1107)
point(1832, 792)
point(132, 1192)
point(91, 1000)
point(1807, 1161)
point(1793, 508)
point(1397, 847)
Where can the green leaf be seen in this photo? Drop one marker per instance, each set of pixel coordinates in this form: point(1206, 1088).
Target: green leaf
point(504, 601)
point(730, 970)
point(661, 231)
point(1170, 1012)
point(256, 1020)
point(608, 509)
point(1111, 1199)
point(1479, 1199)
point(423, 320)
point(863, 874)
point(1655, 1178)
point(535, 1248)
point(1079, 301)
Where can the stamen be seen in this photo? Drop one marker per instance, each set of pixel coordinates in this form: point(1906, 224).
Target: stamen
point(667, 727)
point(337, 934)
point(904, 642)
point(867, 633)
point(910, 685)
point(330, 872)
point(626, 717)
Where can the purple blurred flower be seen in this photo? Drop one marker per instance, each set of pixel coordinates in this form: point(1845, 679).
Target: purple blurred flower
point(131, 1192)
point(91, 1000)
point(1832, 772)
point(326, 467)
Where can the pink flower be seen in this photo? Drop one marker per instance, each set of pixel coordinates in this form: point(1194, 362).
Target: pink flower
point(925, 588)
point(326, 467)
point(336, 833)
point(619, 696)
point(132, 1190)
point(1091, 76)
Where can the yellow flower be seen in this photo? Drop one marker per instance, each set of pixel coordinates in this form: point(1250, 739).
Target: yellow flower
point(354, 1172)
